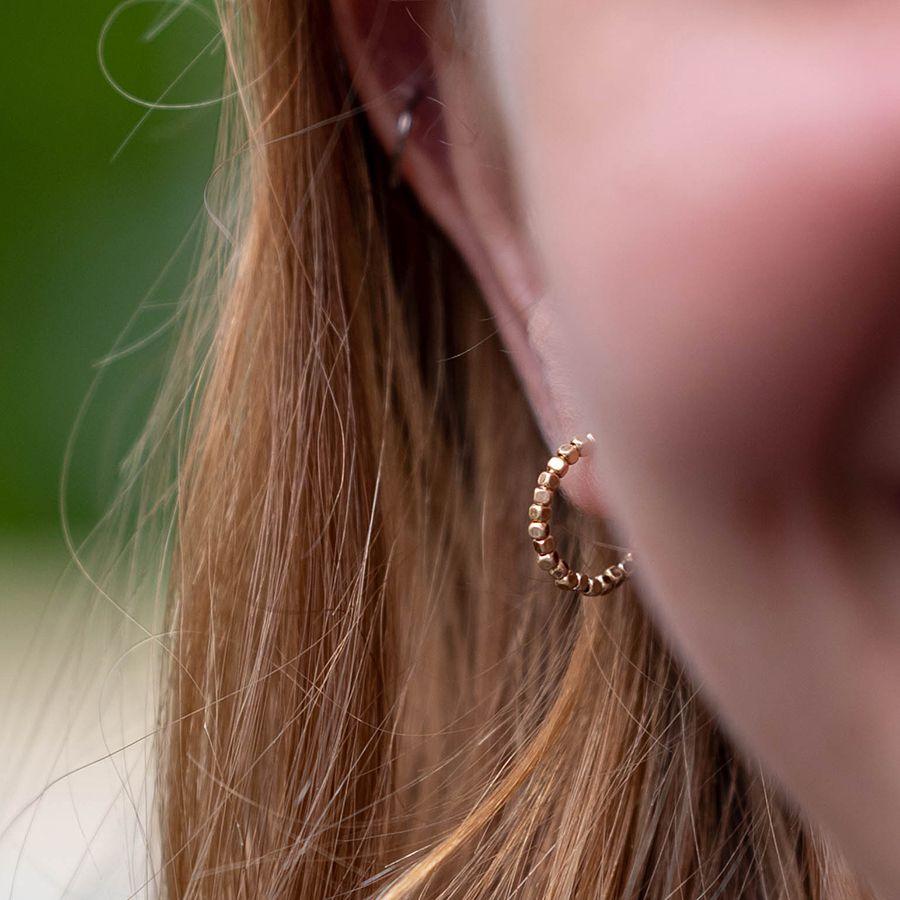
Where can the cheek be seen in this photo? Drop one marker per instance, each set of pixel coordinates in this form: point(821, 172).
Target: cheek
point(720, 242)
point(717, 213)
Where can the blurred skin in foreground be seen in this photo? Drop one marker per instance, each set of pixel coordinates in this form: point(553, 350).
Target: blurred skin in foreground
point(685, 221)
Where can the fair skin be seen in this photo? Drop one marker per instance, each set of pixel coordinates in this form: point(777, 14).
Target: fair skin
point(683, 220)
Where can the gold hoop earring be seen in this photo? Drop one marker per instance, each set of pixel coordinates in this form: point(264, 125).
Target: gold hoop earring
point(539, 514)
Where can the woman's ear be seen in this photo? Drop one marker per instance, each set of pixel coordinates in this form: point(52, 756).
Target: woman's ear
point(409, 54)
point(392, 48)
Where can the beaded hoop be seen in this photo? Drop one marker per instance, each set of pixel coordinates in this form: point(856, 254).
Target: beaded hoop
point(544, 543)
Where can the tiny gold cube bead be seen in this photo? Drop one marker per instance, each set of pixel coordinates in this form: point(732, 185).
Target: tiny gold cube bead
point(627, 564)
point(538, 513)
point(538, 531)
point(548, 562)
point(543, 496)
point(557, 466)
point(560, 570)
point(568, 452)
point(606, 583)
point(569, 581)
point(549, 480)
point(547, 545)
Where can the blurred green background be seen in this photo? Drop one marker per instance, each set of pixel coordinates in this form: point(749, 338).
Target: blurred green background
point(99, 194)
point(102, 206)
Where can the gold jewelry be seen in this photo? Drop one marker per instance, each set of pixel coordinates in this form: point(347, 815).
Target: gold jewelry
point(545, 545)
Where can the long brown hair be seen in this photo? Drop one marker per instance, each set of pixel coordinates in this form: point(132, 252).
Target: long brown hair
point(369, 689)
